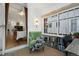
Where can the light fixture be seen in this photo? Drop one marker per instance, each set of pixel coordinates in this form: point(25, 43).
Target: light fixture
point(36, 22)
point(21, 13)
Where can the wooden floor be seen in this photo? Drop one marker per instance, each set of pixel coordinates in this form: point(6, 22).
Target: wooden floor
point(47, 52)
point(11, 41)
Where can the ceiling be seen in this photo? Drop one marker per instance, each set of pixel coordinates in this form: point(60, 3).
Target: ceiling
point(39, 8)
point(44, 8)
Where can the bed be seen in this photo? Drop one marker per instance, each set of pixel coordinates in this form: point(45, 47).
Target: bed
point(20, 34)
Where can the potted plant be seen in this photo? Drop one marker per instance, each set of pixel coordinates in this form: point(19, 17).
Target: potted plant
point(76, 35)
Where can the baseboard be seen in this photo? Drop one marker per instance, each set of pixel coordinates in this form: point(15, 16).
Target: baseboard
point(15, 48)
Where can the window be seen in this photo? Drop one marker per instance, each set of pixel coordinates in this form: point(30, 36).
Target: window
point(76, 12)
point(50, 25)
point(73, 25)
point(78, 24)
point(63, 15)
point(64, 26)
point(71, 13)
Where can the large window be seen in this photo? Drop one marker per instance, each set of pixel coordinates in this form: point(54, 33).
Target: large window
point(78, 24)
point(54, 27)
point(52, 24)
point(64, 26)
point(50, 27)
point(73, 25)
point(64, 22)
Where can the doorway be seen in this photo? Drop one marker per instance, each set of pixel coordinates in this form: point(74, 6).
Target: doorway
point(16, 25)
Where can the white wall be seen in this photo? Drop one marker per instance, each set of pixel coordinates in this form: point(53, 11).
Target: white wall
point(32, 14)
point(2, 22)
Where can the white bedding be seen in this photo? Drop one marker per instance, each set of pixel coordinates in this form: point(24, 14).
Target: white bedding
point(20, 34)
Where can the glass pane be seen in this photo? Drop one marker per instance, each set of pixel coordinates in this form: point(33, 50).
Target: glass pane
point(73, 25)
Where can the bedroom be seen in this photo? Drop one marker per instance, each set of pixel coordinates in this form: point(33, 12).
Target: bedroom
point(16, 26)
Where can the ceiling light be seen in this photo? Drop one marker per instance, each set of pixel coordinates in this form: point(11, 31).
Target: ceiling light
point(21, 13)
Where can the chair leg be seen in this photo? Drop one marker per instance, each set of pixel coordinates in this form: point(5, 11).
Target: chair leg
point(66, 53)
point(43, 48)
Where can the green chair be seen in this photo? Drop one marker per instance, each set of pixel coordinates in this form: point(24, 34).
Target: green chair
point(32, 38)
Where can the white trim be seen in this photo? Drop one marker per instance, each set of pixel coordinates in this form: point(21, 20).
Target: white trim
point(15, 48)
point(72, 8)
point(57, 23)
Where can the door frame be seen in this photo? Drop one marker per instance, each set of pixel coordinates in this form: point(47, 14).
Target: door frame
point(6, 19)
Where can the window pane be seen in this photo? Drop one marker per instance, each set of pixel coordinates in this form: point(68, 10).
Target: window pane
point(64, 26)
point(76, 12)
point(78, 24)
point(73, 25)
point(71, 13)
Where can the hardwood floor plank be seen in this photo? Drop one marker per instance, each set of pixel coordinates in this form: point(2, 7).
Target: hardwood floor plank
point(11, 41)
point(47, 52)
